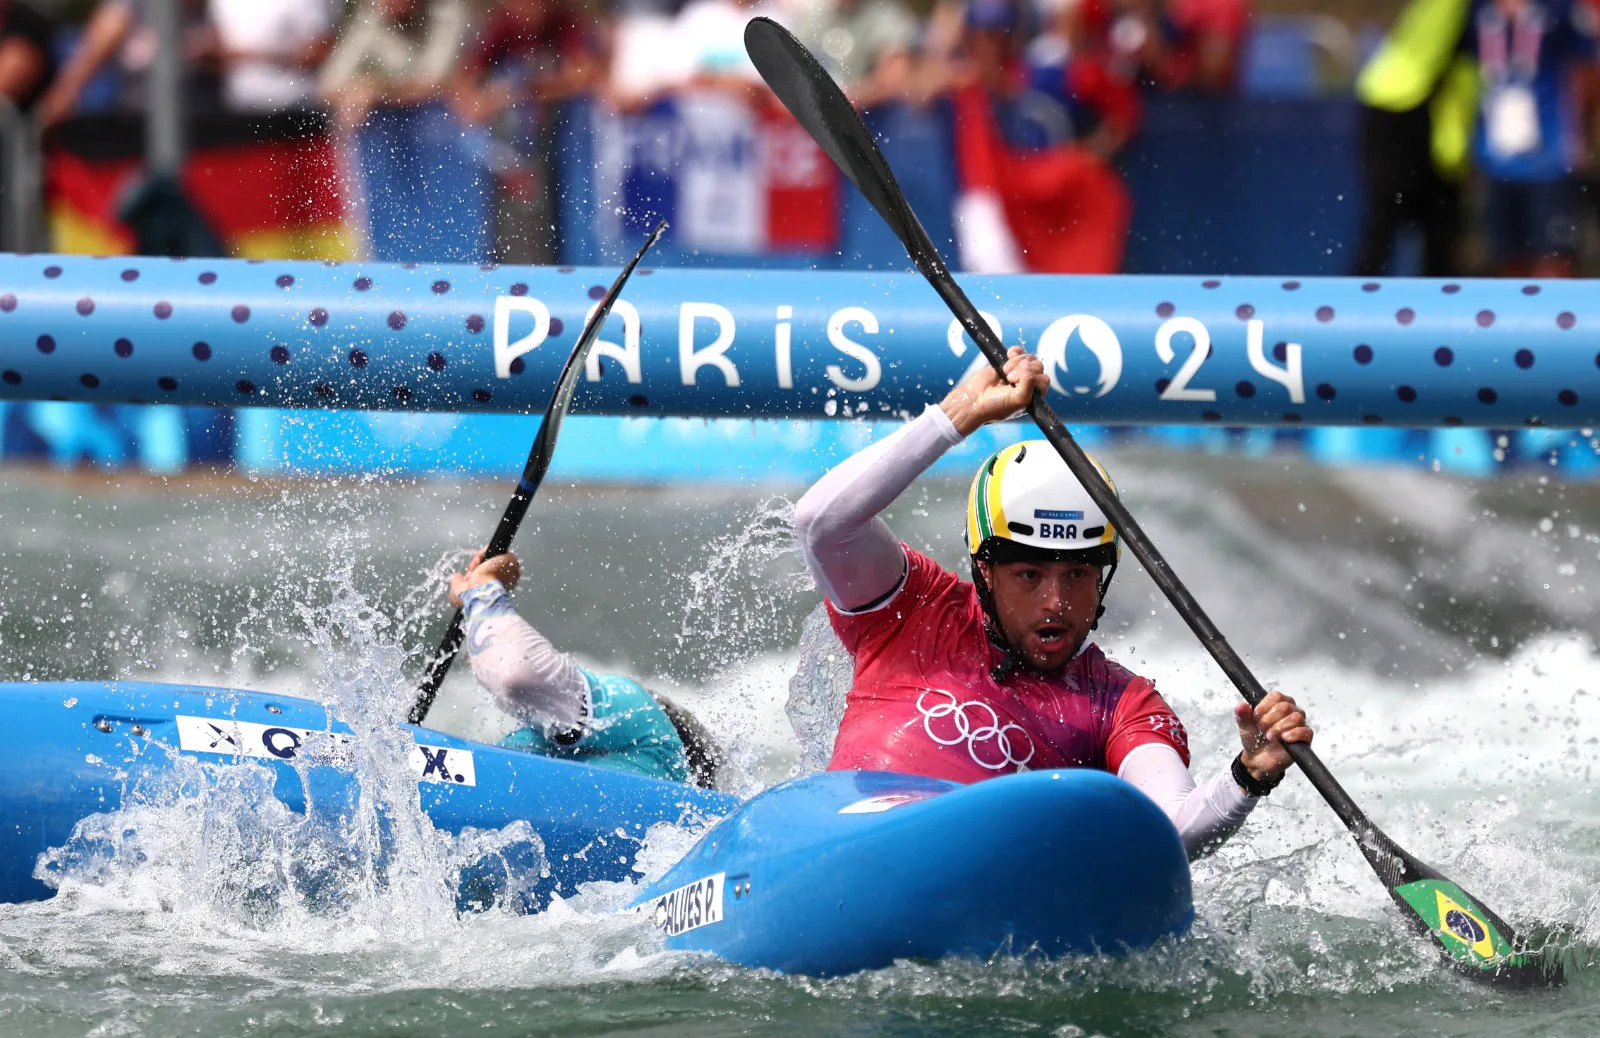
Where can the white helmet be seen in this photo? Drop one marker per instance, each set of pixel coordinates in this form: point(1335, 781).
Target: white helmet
point(1025, 496)
point(1025, 504)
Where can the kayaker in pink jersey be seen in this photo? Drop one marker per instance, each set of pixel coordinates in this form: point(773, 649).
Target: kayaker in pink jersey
point(967, 681)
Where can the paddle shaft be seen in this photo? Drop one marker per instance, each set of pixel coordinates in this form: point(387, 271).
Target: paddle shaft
point(533, 473)
point(811, 95)
point(450, 645)
point(1139, 543)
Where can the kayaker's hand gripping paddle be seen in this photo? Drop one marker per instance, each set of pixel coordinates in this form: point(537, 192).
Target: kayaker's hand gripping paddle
point(1474, 939)
point(544, 445)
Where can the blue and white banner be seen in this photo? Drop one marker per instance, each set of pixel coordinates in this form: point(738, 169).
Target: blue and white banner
point(730, 180)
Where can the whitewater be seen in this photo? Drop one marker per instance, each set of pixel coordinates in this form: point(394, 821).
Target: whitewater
point(1441, 633)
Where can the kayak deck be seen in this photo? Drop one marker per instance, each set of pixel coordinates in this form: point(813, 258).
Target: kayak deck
point(93, 745)
point(844, 871)
point(827, 874)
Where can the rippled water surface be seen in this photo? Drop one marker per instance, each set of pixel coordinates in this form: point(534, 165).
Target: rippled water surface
point(1442, 634)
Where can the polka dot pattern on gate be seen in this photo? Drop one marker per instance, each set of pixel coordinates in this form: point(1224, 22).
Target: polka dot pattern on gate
point(375, 335)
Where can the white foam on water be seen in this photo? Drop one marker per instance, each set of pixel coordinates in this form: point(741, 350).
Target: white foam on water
point(1461, 773)
point(222, 889)
point(206, 873)
point(1483, 772)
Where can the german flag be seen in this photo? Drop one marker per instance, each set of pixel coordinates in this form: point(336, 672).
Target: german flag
point(270, 186)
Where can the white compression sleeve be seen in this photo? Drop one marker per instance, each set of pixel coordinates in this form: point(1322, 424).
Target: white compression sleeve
point(1205, 815)
point(530, 677)
point(853, 554)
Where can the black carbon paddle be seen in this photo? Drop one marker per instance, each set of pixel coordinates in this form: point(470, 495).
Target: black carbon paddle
point(544, 446)
point(1473, 939)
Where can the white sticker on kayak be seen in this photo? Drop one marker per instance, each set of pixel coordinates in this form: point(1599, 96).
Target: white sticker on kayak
point(874, 805)
point(263, 741)
point(689, 907)
point(279, 742)
point(444, 764)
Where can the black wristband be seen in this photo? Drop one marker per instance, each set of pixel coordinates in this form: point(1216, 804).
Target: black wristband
point(1252, 786)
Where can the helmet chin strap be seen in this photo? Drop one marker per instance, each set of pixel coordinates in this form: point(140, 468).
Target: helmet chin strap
point(1010, 659)
point(1105, 584)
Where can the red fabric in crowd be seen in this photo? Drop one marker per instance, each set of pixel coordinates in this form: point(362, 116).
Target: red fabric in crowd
point(1198, 24)
point(1067, 207)
point(1227, 18)
point(802, 187)
point(1095, 85)
point(505, 38)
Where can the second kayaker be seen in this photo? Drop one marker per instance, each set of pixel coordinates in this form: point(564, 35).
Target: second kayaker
point(566, 710)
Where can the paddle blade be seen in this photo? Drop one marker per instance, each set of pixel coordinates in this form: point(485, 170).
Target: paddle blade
point(1472, 938)
point(817, 103)
point(1476, 941)
point(567, 384)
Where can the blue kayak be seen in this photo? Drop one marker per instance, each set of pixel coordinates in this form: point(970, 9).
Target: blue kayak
point(852, 870)
point(91, 746)
point(823, 875)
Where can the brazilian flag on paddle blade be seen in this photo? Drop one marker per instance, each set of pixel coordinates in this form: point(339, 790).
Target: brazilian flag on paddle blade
point(1462, 927)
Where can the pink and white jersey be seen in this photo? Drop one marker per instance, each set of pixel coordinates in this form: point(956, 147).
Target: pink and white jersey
point(923, 700)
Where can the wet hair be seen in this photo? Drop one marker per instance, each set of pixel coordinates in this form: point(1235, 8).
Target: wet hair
point(704, 756)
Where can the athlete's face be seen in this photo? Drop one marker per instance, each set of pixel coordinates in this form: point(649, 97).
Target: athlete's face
point(1046, 609)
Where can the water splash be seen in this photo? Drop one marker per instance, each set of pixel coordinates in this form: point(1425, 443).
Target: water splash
point(818, 691)
point(422, 610)
point(731, 602)
point(736, 605)
point(215, 836)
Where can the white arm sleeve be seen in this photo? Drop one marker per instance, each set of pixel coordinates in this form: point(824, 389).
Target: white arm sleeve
point(531, 678)
point(852, 553)
point(1205, 815)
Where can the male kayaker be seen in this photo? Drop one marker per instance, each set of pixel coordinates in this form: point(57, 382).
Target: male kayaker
point(568, 711)
point(967, 681)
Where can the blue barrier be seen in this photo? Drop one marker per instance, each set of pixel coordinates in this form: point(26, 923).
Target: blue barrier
point(1179, 351)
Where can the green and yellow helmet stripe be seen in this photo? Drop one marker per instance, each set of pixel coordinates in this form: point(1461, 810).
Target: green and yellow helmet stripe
point(978, 513)
point(996, 482)
point(986, 514)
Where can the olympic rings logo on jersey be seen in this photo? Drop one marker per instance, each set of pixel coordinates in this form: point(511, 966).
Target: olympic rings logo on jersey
point(1003, 741)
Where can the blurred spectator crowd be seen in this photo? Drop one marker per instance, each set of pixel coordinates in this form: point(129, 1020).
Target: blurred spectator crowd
point(1042, 94)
